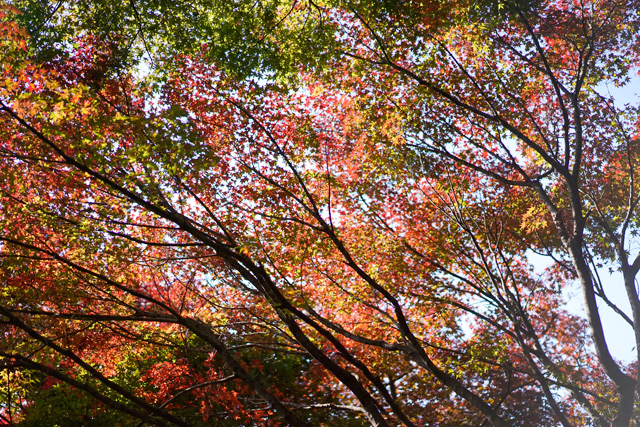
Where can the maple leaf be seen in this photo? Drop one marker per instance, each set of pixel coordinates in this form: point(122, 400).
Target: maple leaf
point(274, 213)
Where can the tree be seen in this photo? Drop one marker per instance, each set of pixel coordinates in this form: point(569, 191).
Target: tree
point(327, 229)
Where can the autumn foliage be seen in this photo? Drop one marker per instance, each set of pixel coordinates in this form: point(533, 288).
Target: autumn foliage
point(302, 213)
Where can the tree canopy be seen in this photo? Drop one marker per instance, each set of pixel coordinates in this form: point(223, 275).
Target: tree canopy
point(316, 213)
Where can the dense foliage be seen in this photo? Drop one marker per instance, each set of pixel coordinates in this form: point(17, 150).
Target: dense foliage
point(281, 212)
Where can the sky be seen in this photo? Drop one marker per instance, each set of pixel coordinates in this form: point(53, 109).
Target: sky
point(618, 333)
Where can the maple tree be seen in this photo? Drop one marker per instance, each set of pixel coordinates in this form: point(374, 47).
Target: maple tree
point(274, 213)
